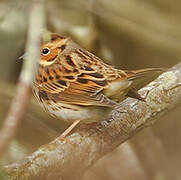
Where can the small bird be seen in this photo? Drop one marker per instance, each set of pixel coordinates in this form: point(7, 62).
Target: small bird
point(76, 86)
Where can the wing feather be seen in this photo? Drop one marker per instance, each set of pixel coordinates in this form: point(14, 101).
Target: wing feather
point(85, 87)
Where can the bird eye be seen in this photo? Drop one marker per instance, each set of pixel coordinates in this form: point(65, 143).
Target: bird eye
point(45, 51)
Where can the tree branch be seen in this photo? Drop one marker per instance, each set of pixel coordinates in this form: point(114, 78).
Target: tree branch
point(19, 103)
point(70, 158)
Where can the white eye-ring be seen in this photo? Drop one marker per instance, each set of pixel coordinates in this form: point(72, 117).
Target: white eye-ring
point(45, 51)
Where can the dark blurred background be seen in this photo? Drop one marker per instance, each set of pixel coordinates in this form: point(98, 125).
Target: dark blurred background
point(129, 34)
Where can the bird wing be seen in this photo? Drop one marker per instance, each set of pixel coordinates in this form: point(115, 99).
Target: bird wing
point(81, 87)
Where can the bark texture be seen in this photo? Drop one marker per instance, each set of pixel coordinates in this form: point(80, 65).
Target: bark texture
point(69, 158)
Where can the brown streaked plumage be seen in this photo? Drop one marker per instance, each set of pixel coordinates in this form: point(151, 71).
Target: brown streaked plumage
point(73, 84)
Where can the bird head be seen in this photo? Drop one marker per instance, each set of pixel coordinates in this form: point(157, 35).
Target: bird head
point(49, 51)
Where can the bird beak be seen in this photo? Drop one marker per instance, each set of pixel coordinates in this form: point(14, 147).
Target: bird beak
point(23, 56)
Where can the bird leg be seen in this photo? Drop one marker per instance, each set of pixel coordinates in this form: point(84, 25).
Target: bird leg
point(69, 129)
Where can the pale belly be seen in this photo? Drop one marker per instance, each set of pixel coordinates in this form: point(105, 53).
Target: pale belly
point(70, 113)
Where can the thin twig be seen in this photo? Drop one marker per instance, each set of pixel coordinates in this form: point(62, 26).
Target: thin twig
point(19, 103)
point(70, 158)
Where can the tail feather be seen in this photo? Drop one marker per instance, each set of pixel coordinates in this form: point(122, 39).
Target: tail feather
point(142, 77)
point(136, 74)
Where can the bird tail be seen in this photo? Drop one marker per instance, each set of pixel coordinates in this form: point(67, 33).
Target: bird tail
point(143, 76)
point(143, 73)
